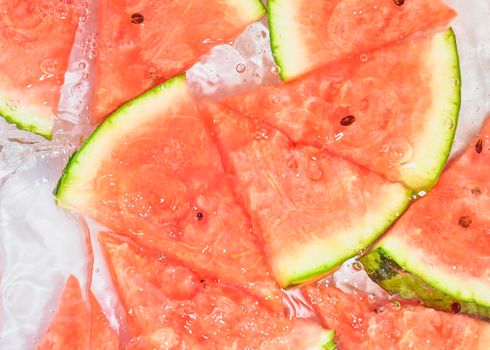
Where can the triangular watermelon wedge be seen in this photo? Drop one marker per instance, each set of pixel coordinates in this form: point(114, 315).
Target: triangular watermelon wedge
point(143, 43)
point(395, 112)
point(75, 327)
point(169, 306)
point(361, 322)
point(314, 210)
point(308, 34)
point(152, 172)
point(439, 250)
point(36, 42)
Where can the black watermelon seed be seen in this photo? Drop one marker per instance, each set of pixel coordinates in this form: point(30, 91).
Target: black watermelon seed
point(465, 221)
point(137, 18)
point(476, 191)
point(399, 2)
point(479, 146)
point(456, 307)
point(199, 216)
point(349, 120)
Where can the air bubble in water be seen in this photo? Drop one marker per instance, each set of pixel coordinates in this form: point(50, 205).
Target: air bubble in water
point(240, 68)
point(357, 265)
point(82, 65)
point(49, 66)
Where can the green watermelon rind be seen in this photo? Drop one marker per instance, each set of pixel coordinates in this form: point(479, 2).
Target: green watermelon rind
point(435, 148)
point(27, 120)
point(404, 195)
point(328, 343)
point(253, 9)
point(397, 277)
point(82, 161)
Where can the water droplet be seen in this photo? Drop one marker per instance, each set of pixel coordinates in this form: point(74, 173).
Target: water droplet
point(364, 57)
point(314, 172)
point(455, 82)
point(82, 65)
point(395, 305)
point(275, 70)
point(274, 100)
point(371, 298)
point(261, 135)
point(97, 270)
point(449, 124)
point(12, 104)
point(357, 265)
point(399, 151)
point(49, 66)
point(240, 68)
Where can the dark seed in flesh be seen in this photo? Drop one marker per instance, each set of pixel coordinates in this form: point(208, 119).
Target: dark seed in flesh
point(465, 221)
point(137, 18)
point(399, 2)
point(476, 191)
point(349, 120)
point(199, 216)
point(456, 307)
point(479, 146)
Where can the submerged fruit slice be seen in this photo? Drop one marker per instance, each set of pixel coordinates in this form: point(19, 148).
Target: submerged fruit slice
point(169, 306)
point(314, 210)
point(395, 113)
point(361, 324)
point(158, 40)
point(36, 40)
point(442, 243)
point(152, 172)
point(307, 34)
point(74, 327)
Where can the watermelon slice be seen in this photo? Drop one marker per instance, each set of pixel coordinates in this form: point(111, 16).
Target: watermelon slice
point(36, 40)
point(394, 112)
point(315, 210)
point(439, 251)
point(74, 327)
point(152, 172)
point(307, 34)
point(169, 306)
point(361, 323)
point(158, 40)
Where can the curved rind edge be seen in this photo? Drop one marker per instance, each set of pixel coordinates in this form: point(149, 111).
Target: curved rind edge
point(448, 116)
point(325, 269)
point(395, 279)
point(39, 126)
point(71, 167)
point(328, 342)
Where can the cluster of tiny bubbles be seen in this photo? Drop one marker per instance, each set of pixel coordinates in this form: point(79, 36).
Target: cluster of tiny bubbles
point(89, 46)
point(261, 135)
point(12, 104)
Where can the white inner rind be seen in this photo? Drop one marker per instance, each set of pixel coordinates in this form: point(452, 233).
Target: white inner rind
point(84, 166)
point(249, 9)
point(302, 262)
point(287, 38)
point(411, 259)
point(432, 146)
point(32, 118)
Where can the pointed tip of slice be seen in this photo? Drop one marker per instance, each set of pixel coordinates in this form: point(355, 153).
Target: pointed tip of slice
point(28, 121)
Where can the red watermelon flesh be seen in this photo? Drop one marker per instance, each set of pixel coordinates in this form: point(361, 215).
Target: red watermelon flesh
point(36, 39)
point(309, 34)
point(166, 187)
point(381, 112)
point(307, 227)
point(143, 43)
point(74, 328)
point(362, 324)
point(169, 306)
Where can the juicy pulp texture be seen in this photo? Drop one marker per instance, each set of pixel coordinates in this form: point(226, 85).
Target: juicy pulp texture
point(35, 43)
point(444, 238)
point(152, 172)
point(307, 34)
point(143, 43)
point(360, 322)
point(403, 104)
point(314, 210)
point(75, 327)
point(169, 306)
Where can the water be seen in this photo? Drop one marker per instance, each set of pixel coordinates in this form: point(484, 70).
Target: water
point(42, 244)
